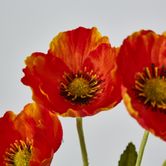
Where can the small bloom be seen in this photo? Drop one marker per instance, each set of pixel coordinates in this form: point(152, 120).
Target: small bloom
point(77, 77)
point(142, 64)
point(29, 138)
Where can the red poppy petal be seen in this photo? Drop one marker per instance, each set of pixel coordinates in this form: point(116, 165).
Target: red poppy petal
point(35, 124)
point(76, 45)
point(154, 122)
point(159, 51)
point(135, 54)
point(8, 133)
point(44, 74)
point(102, 61)
point(42, 127)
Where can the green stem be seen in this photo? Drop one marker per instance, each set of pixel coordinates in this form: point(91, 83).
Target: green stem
point(82, 141)
point(142, 147)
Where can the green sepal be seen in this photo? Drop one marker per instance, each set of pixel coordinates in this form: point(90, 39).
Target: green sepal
point(129, 156)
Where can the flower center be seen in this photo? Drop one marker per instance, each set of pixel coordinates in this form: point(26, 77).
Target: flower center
point(151, 86)
point(18, 154)
point(155, 91)
point(80, 88)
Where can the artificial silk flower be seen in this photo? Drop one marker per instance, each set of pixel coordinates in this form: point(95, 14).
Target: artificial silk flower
point(77, 77)
point(142, 65)
point(30, 138)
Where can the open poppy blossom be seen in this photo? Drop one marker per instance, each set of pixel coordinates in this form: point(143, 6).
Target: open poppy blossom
point(77, 77)
point(30, 138)
point(142, 65)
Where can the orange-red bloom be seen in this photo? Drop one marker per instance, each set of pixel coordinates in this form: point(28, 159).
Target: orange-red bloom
point(77, 77)
point(29, 138)
point(142, 64)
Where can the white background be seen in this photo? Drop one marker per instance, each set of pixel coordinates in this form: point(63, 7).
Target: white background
point(27, 26)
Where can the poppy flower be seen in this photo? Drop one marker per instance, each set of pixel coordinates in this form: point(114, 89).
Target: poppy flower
point(29, 138)
point(77, 77)
point(142, 65)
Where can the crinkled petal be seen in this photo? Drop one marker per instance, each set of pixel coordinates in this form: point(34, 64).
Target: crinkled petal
point(8, 133)
point(44, 128)
point(135, 54)
point(153, 121)
point(35, 124)
point(75, 45)
point(44, 74)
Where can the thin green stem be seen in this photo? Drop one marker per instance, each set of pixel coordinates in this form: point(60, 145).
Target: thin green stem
point(82, 141)
point(142, 147)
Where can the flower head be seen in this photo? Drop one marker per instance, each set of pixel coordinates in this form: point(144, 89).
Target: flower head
point(29, 138)
point(77, 77)
point(142, 64)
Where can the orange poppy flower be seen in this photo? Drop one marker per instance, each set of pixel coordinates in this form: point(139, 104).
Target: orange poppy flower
point(29, 138)
point(142, 64)
point(77, 77)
